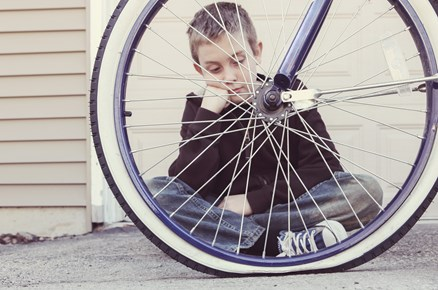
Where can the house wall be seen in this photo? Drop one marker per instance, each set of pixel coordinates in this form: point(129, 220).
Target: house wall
point(44, 143)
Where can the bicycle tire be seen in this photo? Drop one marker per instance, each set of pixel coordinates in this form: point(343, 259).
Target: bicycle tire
point(108, 115)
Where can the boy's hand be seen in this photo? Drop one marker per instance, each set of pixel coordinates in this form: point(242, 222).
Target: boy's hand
point(216, 100)
point(235, 204)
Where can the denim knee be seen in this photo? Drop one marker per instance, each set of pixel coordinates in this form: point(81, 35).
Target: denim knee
point(164, 189)
point(372, 187)
point(370, 202)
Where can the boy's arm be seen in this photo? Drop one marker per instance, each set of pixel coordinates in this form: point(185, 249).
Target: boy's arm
point(201, 153)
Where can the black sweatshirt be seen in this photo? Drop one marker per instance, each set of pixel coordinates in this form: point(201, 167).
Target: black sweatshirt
point(308, 165)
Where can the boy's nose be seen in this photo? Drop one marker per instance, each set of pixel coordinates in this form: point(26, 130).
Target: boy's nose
point(231, 74)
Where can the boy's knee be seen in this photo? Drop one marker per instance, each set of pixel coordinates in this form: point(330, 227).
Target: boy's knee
point(372, 187)
point(369, 201)
point(365, 196)
point(162, 189)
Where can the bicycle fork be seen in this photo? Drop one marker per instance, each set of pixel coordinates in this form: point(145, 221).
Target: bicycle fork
point(303, 41)
point(268, 99)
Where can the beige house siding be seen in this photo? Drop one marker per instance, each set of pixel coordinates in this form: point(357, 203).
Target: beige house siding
point(44, 143)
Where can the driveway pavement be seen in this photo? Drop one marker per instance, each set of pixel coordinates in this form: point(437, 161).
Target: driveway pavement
point(122, 258)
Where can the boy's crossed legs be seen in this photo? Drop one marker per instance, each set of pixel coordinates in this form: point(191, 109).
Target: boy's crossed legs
point(330, 200)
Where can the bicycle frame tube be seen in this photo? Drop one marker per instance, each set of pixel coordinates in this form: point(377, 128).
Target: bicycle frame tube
point(303, 41)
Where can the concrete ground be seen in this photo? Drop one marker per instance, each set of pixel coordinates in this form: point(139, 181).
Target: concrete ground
point(122, 258)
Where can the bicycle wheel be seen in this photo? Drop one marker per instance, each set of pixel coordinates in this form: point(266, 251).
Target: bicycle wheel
point(378, 98)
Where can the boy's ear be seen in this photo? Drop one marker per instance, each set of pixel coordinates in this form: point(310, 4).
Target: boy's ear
point(198, 69)
point(258, 51)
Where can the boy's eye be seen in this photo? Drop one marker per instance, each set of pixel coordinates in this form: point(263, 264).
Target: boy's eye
point(214, 69)
point(240, 60)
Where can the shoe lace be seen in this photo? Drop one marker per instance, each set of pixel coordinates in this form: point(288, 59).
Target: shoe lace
point(293, 244)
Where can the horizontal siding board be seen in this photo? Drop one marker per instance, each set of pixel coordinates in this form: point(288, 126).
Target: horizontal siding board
point(43, 64)
point(43, 195)
point(43, 20)
point(45, 129)
point(46, 85)
point(43, 42)
point(43, 151)
point(34, 174)
point(40, 4)
point(43, 107)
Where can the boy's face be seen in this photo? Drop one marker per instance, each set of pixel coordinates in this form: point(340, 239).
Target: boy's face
point(219, 63)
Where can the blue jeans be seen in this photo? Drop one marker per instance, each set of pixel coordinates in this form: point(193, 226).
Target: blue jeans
point(233, 227)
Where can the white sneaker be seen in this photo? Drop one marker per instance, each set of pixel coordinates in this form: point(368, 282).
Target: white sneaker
point(320, 236)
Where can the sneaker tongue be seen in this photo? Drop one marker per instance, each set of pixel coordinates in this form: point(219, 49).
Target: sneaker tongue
point(319, 241)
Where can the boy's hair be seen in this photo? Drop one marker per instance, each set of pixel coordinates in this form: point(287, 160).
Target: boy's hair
point(209, 23)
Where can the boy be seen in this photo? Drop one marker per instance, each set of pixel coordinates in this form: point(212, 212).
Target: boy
point(226, 176)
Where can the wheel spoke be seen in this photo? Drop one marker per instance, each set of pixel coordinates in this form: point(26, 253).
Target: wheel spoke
point(189, 140)
point(308, 128)
point(208, 39)
point(242, 44)
point(306, 69)
point(380, 85)
point(376, 154)
point(312, 72)
point(379, 105)
point(377, 122)
point(199, 155)
point(337, 44)
point(183, 76)
point(321, 102)
point(338, 156)
point(307, 125)
point(286, 176)
point(180, 98)
point(234, 176)
point(189, 122)
point(195, 136)
point(276, 60)
point(251, 156)
point(290, 165)
point(216, 174)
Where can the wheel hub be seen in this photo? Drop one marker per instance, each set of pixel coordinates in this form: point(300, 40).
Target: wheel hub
point(269, 104)
point(274, 104)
